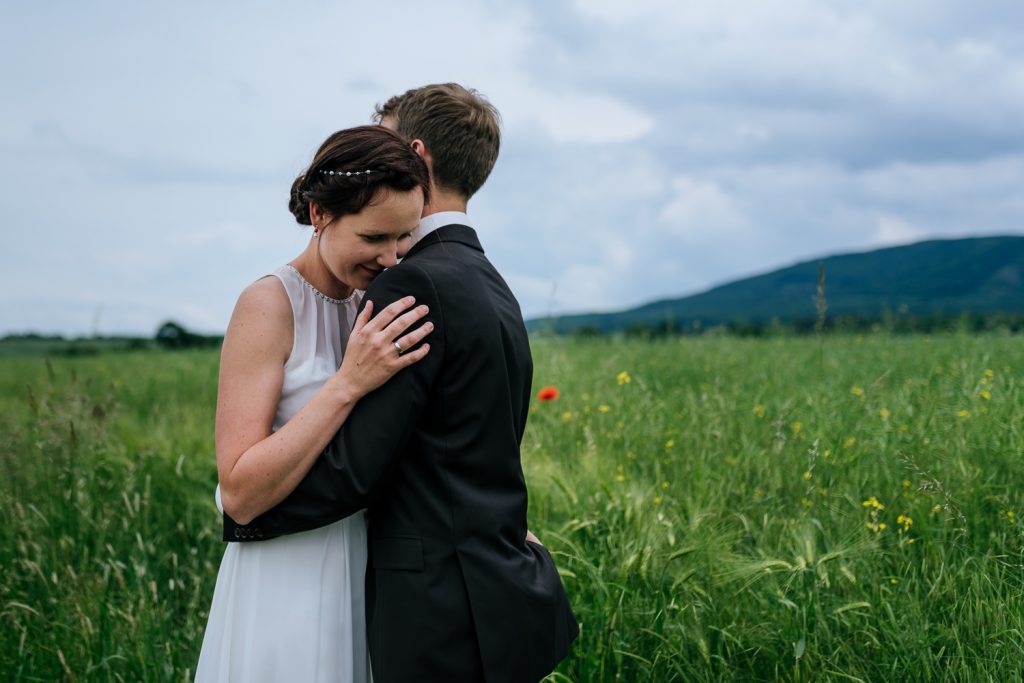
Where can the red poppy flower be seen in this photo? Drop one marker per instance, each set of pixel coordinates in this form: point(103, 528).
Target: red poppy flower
point(547, 394)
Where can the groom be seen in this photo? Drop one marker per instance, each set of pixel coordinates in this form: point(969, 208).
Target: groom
point(453, 592)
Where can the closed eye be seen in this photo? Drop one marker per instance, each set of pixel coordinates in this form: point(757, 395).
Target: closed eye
point(377, 239)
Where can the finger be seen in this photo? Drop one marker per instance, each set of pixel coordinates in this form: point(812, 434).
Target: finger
point(407, 359)
point(403, 322)
point(416, 336)
point(389, 313)
point(364, 316)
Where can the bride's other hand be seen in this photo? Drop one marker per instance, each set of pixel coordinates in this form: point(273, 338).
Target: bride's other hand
point(372, 355)
point(533, 539)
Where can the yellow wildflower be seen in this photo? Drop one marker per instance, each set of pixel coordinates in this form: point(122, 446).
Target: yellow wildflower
point(985, 394)
point(849, 442)
point(884, 413)
point(623, 378)
point(857, 391)
point(567, 416)
point(603, 408)
point(657, 500)
point(872, 502)
point(807, 476)
point(664, 484)
point(670, 443)
point(759, 410)
point(964, 413)
point(797, 427)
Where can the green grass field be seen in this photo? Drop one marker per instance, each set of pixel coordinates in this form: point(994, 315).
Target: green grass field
point(722, 509)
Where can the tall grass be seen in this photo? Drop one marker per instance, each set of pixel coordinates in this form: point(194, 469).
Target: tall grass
point(722, 509)
point(109, 540)
point(738, 510)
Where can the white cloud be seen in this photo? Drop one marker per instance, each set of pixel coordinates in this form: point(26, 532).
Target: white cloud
point(701, 209)
point(588, 118)
point(893, 230)
point(651, 148)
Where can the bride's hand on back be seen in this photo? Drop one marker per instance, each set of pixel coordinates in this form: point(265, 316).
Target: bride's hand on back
point(372, 355)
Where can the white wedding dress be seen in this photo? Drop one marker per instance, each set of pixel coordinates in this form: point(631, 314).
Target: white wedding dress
point(291, 608)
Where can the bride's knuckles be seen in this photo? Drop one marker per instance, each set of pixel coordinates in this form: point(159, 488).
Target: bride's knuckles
point(416, 336)
point(407, 319)
point(414, 356)
point(393, 310)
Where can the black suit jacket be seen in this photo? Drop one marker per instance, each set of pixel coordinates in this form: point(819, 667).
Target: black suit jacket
point(454, 593)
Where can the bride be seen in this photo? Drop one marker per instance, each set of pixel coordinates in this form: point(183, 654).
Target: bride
point(291, 608)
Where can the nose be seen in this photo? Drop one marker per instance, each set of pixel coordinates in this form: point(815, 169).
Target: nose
point(388, 258)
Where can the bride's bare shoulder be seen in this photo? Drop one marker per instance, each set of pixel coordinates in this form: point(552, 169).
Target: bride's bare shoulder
point(262, 318)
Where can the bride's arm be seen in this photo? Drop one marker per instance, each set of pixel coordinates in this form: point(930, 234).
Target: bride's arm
point(257, 468)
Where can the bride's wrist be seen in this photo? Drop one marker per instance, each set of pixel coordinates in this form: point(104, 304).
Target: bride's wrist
point(342, 390)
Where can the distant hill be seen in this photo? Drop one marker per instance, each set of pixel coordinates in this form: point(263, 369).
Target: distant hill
point(936, 278)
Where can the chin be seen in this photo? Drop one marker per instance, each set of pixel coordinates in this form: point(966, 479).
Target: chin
point(365, 278)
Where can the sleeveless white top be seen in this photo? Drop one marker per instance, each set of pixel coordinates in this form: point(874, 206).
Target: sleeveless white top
point(292, 608)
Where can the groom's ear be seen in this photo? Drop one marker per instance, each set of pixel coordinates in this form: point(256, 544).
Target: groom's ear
point(421, 149)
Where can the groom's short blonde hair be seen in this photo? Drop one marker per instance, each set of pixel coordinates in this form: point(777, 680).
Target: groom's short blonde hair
point(459, 128)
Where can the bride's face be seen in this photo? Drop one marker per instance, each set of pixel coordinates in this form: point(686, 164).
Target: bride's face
point(356, 248)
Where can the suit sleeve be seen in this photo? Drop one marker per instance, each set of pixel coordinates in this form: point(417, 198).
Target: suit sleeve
point(359, 458)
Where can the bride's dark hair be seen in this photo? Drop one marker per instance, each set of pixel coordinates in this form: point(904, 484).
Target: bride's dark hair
point(351, 167)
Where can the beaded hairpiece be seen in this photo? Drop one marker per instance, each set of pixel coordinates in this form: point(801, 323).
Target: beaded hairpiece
point(347, 173)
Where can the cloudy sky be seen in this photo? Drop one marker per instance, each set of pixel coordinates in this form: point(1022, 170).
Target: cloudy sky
point(653, 148)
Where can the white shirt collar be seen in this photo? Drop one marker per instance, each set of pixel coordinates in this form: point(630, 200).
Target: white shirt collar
point(429, 224)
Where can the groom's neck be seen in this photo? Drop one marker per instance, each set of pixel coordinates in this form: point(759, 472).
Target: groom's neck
point(444, 201)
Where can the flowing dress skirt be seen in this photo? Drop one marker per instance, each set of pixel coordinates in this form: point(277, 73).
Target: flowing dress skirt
point(290, 609)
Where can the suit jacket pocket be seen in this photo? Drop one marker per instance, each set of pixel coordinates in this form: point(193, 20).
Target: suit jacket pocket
point(397, 553)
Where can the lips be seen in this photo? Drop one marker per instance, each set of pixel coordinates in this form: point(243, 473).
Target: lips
point(371, 272)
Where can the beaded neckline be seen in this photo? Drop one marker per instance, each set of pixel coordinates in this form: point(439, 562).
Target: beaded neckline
point(328, 299)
